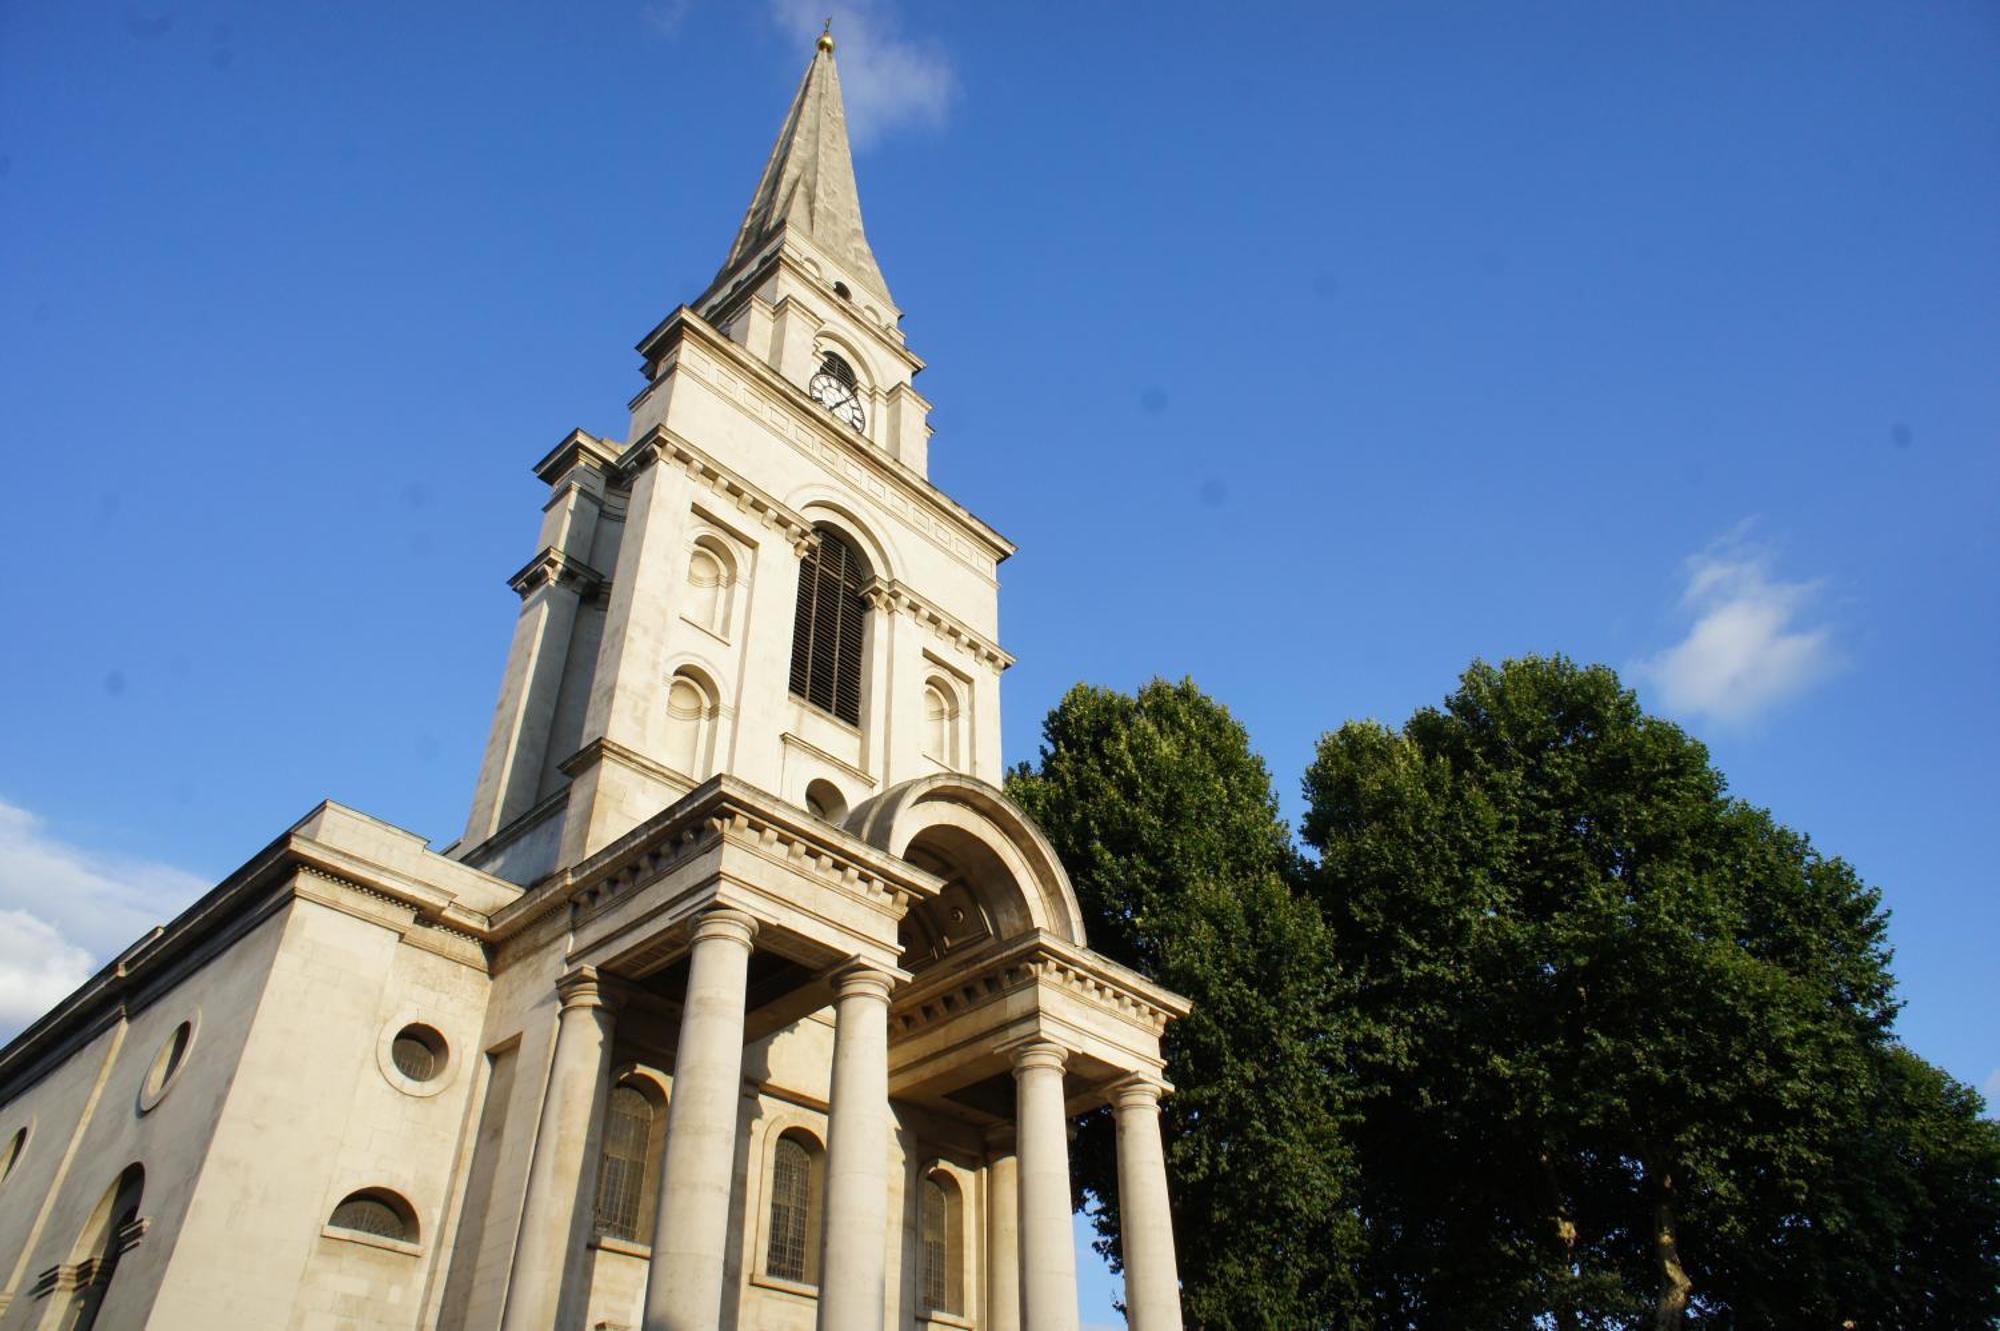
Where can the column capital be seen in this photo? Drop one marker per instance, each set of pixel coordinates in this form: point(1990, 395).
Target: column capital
point(586, 987)
point(1138, 1091)
point(721, 922)
point(858, 977)
point(1038, 1054)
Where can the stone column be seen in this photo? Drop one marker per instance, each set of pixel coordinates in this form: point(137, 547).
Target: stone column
point(1003, 1236)
point(854, 1256)
point(577, 1075)
point(691, 1229)
point(1152, 1279)
point(1048, 1246)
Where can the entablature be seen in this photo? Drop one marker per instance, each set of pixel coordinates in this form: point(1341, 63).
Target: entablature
point(662, 444)
point(686, 342)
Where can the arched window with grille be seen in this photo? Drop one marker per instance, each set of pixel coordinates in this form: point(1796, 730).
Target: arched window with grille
point(792, 1250)
point(941, 1230)
point(626, 1164)
point(829, 626)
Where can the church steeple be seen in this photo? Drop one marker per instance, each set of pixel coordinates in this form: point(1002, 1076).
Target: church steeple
point(808, 184)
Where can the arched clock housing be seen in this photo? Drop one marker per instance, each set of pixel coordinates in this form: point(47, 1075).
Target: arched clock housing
point(835, 387)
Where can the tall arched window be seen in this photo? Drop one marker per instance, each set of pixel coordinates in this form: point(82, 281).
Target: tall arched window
point(941, 1226)
point(828, 626)
point(624, 1166)
point(113, 1229)
point(792, 1250)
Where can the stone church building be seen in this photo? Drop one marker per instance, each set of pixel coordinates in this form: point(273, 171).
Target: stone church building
point(747, 999)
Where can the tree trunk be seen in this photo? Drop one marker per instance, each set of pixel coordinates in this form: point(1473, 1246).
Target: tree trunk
point(1670, 1307)
point(1565, 1245)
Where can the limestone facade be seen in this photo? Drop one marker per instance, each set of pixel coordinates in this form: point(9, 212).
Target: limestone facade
point(747, 999)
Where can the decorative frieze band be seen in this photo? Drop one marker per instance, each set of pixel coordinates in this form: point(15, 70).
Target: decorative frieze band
point(937, 518)
point(1019, 970)
point(893, 595)
point(661, 444)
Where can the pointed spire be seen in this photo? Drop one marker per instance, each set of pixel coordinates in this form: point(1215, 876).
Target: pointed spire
point(809, 182)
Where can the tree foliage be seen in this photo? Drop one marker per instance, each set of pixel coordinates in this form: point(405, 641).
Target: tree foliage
point(1170, 831)
point(1625, 1040)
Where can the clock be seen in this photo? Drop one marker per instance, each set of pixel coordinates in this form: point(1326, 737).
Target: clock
point(834, 388)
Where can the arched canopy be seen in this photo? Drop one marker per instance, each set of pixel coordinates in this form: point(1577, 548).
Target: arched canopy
point(972, 835)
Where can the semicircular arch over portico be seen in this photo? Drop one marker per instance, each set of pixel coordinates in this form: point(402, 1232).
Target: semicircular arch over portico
point(971, 834)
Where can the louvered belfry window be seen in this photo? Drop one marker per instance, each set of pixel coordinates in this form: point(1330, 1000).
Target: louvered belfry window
point(828, 627)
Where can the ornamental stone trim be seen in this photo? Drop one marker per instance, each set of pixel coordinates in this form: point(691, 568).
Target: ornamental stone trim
point(817, 441)
point(894, 595)
point(663, 445)
point(554, 568)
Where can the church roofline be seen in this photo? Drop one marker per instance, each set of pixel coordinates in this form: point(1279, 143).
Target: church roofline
point(334, 842)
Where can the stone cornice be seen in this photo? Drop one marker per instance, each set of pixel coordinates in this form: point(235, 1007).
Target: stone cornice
point(727, 368)
point(296, 865)
point(1034, 959)
point(662, 444)
point(893, 595)
point(553, 566)
point(723, 811)
point(576, 447)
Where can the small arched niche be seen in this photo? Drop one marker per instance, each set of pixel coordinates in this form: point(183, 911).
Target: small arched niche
point(711, 579)
point(941, 722)
point(690, 723)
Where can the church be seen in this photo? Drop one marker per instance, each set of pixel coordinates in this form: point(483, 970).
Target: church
point(747, 1000)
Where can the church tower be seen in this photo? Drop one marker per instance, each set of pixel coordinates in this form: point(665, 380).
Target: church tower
point(761, 581)
point(747, 1000)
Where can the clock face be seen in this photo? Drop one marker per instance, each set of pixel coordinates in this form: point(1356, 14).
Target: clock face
point(837, 396)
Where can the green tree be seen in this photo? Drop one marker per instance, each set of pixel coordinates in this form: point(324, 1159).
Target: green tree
point(1623, 1041)
point(1170, 831)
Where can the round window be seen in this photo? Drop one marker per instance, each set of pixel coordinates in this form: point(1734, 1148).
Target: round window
point(167, 1065)
point(418, 1052)
point(10, 1154)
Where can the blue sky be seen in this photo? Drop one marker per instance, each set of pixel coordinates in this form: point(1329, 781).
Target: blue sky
point(1308, 351)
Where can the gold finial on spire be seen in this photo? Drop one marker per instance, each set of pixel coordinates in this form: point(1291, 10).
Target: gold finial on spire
point(826, 38)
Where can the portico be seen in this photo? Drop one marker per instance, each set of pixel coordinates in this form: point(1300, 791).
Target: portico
point(950, 999)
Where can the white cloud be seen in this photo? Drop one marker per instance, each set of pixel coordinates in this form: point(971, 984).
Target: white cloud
point(37, 968)
point(888, 80)
point(1747, 649)
point(1992, 1092)
point(65, 910)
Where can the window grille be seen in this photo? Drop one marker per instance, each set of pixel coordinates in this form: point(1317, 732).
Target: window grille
point(370, 1215)
point(931, 1208)
point(621, 1167)
point(939, 1232)
point(413, 1058)
point(791, 1200)
point(827, 628)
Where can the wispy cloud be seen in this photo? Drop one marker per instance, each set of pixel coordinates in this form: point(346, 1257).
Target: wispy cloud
point(890, 80)
point(66, 909)
point(1992, 1092)
point(1749, 647)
